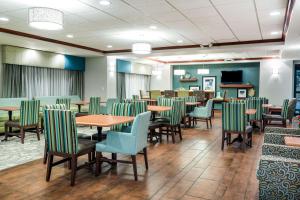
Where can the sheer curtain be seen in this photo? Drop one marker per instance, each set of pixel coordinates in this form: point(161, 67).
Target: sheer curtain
point(28, 81)
point(136, 82)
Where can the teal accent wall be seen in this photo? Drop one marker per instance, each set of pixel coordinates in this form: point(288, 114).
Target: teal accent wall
point(250, 75)
point(123, 66)
point(74, 63)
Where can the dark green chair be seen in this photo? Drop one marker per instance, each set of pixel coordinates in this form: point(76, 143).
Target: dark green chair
point(29, 119)
point(234, 121)
point(139, 107)
point(62, 141)
point(121, 109)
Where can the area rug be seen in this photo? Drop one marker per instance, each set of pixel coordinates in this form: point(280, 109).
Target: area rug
point(13, 153)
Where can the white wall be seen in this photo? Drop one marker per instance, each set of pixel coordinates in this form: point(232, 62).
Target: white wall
point(276, 87)
point(95, 77)
point(163, 81)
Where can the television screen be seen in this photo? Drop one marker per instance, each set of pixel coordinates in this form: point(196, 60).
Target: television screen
point(232, 76)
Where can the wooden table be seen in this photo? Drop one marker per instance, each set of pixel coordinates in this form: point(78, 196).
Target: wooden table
point(193, 103)
point(9, 109)
point(267, 105)
point(81, 103)
point(292, 141)
point(250, 111)
point(150, 101)
point(275, 109)
point(156, 109)
point(102, 121)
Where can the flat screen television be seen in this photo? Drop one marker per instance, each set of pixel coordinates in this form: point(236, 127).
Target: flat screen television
point(232, 76)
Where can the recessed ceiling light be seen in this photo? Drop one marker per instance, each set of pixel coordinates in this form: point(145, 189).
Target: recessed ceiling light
point(104, 2)
point(179, 41)
point(70, 36)
point(274, 13)
point(275, 33)
point(4, 19)
point(153, 27)
point(109, 46)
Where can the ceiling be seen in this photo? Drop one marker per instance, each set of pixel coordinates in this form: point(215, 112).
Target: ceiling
point(128, 21)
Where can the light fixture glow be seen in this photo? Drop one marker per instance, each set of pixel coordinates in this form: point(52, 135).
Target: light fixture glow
point(179, 72)
point(275, 33)
point(70, 36)
point(141, 48)
point(45, 18)
point(275, 71)
point(179, 41)
point(153, 27)
point(104, 2)
point(109, 46)
point(4, 19)
point(274, 13)
point(156, 72)
point(203, 71)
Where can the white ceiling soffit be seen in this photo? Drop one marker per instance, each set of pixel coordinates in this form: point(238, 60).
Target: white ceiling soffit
point(8, 39)
point(128, 21)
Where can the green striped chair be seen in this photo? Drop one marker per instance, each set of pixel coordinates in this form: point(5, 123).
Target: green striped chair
point(135, 97)
point(94, 106)
point(107, 109)
point(121, 109)
point(66, 101)
point(269, 118)
point(139, 107)
point(54, 106)
point(62, 141)
point(171, 126)
point(29, 118)
point(234, 121)
point(256, 103)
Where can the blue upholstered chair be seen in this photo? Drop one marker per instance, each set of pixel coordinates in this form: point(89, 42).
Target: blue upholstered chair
point(203, 113)
point(126, 143)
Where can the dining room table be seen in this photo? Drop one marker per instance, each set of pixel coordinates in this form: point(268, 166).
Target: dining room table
point(156, 109)
point(10, 110)
point(80, 103)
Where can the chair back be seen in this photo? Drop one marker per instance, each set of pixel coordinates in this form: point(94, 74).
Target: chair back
point(209, 106)
point(139, 107)
point(169, 93)
point(234, 117)
point(183, 105)
point(183, 93)
point(109, 104)
point(29, 112)
point(284, 111)
point(200, 95)
point(135, 97)
point(291, 109)
point(60, 131)
point(66, 101)
point(121, 109)
point(175, 114)
point(95, 106)
point(154, 94)
point(140, 130)
point(256, 103)
point(55, 106)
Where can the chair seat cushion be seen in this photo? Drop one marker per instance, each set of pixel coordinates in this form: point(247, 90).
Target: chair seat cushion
point(272, 117)
point(85, 144)
point(154, 124)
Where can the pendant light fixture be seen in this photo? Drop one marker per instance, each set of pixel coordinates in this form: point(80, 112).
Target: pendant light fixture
point(45, 18)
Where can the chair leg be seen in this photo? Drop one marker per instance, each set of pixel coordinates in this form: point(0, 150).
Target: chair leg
point(74, 169)
point(179, 131)
point(6, 132)
point(146, 157)
point(38, 132)
point(206, 123)
point(49, 166)
point(114, 157)
point(45, 153)
point(22, 133)
point(244, 143)
point(173, 135)
point(223, 140)
point(210, 122)
point(160, 135)
point(98, 163)
point(133, 157)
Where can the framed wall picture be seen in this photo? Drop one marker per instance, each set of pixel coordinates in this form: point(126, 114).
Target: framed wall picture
point(209, 83)
point(241, 93)
point(194, 87)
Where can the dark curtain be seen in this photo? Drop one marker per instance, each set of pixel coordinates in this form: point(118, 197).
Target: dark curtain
point(29, 81)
